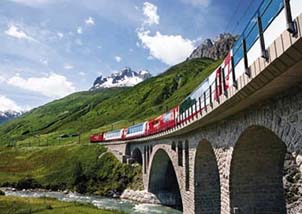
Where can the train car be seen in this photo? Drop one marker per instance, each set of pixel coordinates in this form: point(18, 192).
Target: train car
point(195, 102)
point(218, 84)
point(114, 135)
point(228, 71)
point(96, 138)
point(223, 78)
point(163, 122)
point(136, 131)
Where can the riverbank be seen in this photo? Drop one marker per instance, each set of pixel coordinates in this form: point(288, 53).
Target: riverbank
point(12, 204)
point(100, 202)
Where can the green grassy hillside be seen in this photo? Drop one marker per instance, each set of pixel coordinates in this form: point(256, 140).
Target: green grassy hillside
point(84, 168)
point(90, 112)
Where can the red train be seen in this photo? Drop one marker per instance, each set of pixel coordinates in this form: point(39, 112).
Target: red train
point(153, 126)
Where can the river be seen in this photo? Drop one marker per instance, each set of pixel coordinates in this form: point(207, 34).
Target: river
point(100, 202)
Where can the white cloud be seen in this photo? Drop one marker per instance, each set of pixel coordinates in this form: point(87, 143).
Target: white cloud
point(54, 85)
point(90, 21)
point(60, 35)
point(17, 33)
point(150, 58)
point(2, 79)
point(68, 66)
point(33, 3)
point(150, 12)
point(82, 73)
point(118, 58)
point(44, 61)
point(79, 30)
point(7, 104)
point(170, 49)
point(197, 3)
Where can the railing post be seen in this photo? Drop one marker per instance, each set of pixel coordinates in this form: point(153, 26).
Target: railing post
point(246, 65)
point(205, 100)
point(196, 109)
point(211, 101)
point(264, 53)
point(223, 82)
point(216, 89)
point(200, 105)
point(233, 73)
point(291, 25)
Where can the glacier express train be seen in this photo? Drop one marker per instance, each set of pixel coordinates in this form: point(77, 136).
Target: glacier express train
point(153, 126)
point(252, 44)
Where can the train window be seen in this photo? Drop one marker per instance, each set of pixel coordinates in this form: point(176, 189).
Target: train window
point(167, 117)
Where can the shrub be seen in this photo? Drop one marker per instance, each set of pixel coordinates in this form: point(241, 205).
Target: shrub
point(27, 183)
point(48, 207)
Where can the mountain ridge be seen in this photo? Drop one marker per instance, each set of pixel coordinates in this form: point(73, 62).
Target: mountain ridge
point(9, 115)
point(123, 78)
point(214, 49)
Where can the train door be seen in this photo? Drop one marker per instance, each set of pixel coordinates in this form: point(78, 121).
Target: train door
point(218, 84)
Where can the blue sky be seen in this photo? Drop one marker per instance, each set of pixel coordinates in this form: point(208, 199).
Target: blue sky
point(51, 48)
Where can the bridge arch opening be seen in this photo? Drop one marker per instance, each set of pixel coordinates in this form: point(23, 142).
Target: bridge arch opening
point(137, 156)
point(207, 181)
point(163, 181)
point(256, 184)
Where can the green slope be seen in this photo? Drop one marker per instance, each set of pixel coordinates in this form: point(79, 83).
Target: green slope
point(84, 168)
point(90, 112)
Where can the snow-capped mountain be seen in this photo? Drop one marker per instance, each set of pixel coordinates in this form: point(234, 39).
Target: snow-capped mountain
point(124, 78)
point(9, 115)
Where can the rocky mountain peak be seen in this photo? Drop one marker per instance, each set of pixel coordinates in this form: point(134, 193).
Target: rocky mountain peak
point(214, 49)
point(9, 115)
point(123, 78)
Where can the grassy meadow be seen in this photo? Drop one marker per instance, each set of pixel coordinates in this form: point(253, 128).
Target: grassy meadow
point(16, 205)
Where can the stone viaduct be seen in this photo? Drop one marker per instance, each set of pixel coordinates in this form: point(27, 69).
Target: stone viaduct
point(241, 155)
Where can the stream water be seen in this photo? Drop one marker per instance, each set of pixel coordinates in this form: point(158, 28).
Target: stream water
point(100, 202)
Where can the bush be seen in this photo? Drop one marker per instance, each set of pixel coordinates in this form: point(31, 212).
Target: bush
point(1, 192)
point(48, 207)
point(27, 183)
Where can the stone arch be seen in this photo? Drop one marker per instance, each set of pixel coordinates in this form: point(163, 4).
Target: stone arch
point(137, 156)
point(163, 181)
point(256, 173)
point(207, 181)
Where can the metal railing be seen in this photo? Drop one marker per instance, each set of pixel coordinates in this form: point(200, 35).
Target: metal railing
point(254, 31)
